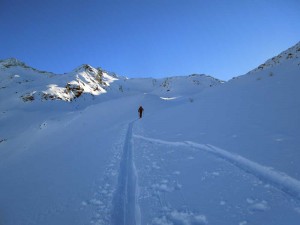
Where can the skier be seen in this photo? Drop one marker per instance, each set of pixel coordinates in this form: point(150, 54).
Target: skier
point(141, 111)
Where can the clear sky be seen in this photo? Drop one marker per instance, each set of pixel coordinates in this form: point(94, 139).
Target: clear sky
point(143, 38)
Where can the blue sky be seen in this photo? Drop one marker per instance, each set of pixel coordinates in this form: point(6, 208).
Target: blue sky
point(143, 38)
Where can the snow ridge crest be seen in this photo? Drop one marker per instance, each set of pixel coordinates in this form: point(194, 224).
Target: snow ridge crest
point(290, 55)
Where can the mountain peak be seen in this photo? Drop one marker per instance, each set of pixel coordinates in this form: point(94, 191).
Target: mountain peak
point(289, 55)
point(84, 67)
point(12, 62)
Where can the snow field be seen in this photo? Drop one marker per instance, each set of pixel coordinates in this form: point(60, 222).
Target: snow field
point(91, 161)
point(64, 167)
point(280, 180)
point(180, 179)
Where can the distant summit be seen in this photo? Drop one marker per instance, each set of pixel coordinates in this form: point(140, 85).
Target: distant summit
point(12, 62)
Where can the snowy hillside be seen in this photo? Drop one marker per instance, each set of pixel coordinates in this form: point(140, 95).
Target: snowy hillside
point(205, 152)
point(30, 84)
point(290, 56)
point(23, 83)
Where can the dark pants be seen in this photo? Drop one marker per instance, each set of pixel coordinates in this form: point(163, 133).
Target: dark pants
point(141, 114)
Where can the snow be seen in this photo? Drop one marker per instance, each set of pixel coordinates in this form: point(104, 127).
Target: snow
point(278, 179)
point(205, 151)
point(169, 98)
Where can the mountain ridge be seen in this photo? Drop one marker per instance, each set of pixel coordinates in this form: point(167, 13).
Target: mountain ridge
point(86, 79)
point(292, 54)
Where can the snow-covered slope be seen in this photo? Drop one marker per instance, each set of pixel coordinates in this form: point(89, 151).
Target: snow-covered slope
point(229, 157)
point(290, 56)
point(30, 84)
point(25, 83)
point(205, 152)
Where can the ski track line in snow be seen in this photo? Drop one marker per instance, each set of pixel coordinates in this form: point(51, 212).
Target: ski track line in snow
point(279, 180)
point(125, 208)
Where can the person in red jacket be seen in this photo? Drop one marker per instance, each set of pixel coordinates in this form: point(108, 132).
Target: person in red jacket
point(141, 111)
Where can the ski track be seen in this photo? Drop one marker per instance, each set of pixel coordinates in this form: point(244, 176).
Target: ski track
point(125, 208)
point(279, 180)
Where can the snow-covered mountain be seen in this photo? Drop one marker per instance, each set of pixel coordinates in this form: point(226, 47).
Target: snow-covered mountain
point(205, 151)
point(30, 84)
point(290, 56)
